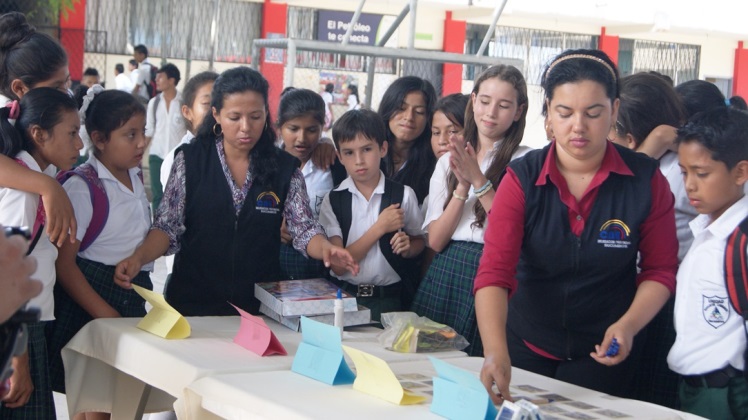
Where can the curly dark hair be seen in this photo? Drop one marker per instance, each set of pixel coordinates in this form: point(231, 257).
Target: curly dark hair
point(263, 157)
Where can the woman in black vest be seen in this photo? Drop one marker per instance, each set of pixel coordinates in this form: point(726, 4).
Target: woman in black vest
point(223, 206)
point(562, 241)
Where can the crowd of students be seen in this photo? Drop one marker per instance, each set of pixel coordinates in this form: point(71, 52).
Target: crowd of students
point(542, 259)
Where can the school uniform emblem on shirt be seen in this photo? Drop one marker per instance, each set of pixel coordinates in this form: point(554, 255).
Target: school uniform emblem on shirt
point(268, 203)
point(716, 310)
point(614, 234)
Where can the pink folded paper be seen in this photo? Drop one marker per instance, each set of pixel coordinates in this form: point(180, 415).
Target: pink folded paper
point(255, 336)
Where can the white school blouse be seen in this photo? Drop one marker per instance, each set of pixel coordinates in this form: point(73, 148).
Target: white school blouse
point(438, 195)
point(318, 184)
point(169, 159)
point(373, 268)
point(709, 333)
point(129, 216)
point(18, 208)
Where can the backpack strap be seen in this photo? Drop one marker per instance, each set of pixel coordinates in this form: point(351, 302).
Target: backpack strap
point(41, 217)
point(736, 276)
point(99, 201)
point(736, 268)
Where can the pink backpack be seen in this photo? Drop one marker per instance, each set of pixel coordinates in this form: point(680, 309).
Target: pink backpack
point(99, 201)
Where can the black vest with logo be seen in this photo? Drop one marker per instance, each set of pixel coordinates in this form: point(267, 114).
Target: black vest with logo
point(570, 289)
point(223, 255)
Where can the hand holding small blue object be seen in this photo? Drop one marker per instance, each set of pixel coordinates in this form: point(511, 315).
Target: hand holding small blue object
point(613, 348)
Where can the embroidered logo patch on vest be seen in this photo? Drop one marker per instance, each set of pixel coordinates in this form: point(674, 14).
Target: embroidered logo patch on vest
point(614, 234)
point(716, 310)
point(268, 203)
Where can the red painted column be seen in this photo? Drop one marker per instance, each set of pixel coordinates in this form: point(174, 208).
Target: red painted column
point(740, 73)
point(609, 45)
point(454, 41)
point(72, 38)
point(273, 25)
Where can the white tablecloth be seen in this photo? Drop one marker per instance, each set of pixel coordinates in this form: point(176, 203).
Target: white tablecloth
point(112, 366)
point(287, 395)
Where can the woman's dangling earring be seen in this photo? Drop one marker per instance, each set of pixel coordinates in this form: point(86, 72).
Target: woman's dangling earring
point(217, 129)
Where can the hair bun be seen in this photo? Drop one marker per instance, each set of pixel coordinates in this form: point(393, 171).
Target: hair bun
point(13, 29)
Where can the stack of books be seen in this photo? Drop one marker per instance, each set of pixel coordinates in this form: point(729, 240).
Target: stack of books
point(288, 300)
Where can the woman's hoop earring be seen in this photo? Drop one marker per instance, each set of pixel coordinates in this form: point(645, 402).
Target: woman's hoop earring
point(217, 129)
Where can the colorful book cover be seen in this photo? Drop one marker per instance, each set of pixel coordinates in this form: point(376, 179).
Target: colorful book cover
point(302, 297)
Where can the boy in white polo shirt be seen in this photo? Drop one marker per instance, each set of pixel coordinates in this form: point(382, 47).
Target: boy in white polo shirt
point(709, 349)
point(383, 220)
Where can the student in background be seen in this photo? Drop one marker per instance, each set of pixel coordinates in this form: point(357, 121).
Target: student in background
point(568, 225)
point(448, 121)
point(648, 102)
point(384, 238)
point(164, 127)
point(224, 205)
point(132, 65)
point(406, 108)
point(351, 97)
point(115, 122)
point(461, 191)
point(121, 81)
point(447, 125)
point(28, 60)
point(329, 99)
point(44, 138)
point(195, 106)
point(301, 117)
point(140, 85)
point(699, 96)
point(90, 77)
point(710, 343)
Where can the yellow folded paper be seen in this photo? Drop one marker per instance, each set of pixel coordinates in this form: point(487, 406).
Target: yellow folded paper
point(163, 320)
point(374, 377)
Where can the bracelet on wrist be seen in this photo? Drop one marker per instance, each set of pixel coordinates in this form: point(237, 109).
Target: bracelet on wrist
point(484, 189)
point(457, 196)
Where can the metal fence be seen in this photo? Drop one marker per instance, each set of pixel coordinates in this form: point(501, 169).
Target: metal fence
point(678, 61)
point(425, 64)
point(536, 47)
point(207, 30)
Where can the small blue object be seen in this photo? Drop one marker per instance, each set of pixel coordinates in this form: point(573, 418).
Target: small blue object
point(613, 348)
point(340, 294)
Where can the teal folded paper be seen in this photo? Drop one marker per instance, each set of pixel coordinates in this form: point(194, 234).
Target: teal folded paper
point(320, 354)
point(459, 394)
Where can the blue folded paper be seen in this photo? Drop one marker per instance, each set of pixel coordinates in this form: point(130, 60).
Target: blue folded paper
point(459, 394)
point(320, 354)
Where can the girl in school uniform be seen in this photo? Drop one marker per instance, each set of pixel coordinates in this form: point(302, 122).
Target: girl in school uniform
point(44, 138)
point(301, 118)
point(461, 191)
point(406, 108)
point(115, 122)
point(29, 60)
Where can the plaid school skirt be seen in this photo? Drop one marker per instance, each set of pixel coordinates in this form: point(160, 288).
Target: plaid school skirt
point(295, 266)
point(445, 294)
point(41, 404)
point(70, 318)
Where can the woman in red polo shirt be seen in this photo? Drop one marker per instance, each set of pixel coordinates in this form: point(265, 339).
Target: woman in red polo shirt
point(562, 241)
